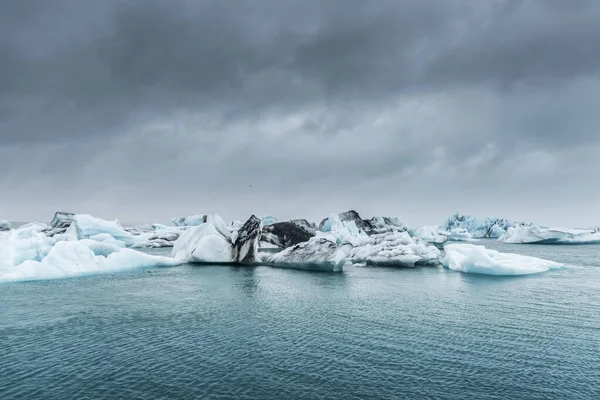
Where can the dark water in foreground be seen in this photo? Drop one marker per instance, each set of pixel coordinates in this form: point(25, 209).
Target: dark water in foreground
point(224, 332)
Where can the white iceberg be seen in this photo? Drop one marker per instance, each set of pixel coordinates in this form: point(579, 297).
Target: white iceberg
point(432, 234)
point(375, 225)
point(5, 225)
point(479, 260)
point(87, 227)
point(214, 242)
point(396, 249)
point(342, 232)
point(490, 227)
point(64, 259)
point(316, 254)
point(193, 220)
point(535, 234)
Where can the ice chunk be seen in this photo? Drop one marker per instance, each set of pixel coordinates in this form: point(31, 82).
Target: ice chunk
point(62, 220)
point(269, 220)
point(478, 259)
point(460, 234)
point(203, 244)
point(373, 226)
point(535, 234)
point(432, 234)
point(87, 227)
point(490, 227)
point(193, 220)
point(5, 225)
point(395, 249)
point(212, 242)
point(334, 229)
point(317, 254)
point(83, 257)
point(285, 234)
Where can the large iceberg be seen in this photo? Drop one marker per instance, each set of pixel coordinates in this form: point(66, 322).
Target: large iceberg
point(478, 259)
point(28, 254)
point(213, 242)
point(87, 227)
point(534, 234)
point(317, 253)
point(193, 220)
point(5, 225)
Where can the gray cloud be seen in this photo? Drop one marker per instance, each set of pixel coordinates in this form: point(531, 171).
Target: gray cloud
point(147, 109)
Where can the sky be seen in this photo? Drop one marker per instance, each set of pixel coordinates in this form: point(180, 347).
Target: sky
point(144, 110)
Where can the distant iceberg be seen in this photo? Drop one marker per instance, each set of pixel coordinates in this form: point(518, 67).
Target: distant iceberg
point(193, 220)
point(5, 225)
point(372, 226)
point(479, 260)
point(87, 227)
point(535, 234)
point(490, 227)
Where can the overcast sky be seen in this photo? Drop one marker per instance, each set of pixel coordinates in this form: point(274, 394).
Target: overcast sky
point(145, 110)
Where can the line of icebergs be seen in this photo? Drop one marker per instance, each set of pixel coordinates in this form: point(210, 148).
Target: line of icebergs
point(81, 244)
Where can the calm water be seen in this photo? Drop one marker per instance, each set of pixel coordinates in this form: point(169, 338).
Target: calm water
point(223, 332)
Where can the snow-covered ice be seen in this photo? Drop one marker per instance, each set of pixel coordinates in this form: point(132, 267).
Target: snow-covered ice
point(478, 259)
point(539, 235)
point(432, 234)
point(192, 220)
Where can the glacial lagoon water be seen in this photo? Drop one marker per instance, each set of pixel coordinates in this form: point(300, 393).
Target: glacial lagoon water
point(263, 333)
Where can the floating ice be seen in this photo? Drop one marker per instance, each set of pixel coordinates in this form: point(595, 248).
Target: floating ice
point(213, 242)
point(394, 249)
point(490, 227)
point(373, 226)
point(193, 220)
point(286, 234)
point(316, 254)
point(534, 234)
point(432, 234)
point(478, 259)
point(33, 259)
point(87, 227)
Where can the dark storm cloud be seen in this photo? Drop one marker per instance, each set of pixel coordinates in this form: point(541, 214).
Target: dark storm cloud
point(321, 98)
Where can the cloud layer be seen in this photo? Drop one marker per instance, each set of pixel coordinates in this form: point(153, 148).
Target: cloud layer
point(144, 110)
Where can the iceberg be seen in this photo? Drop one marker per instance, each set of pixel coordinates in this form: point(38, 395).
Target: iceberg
point(193, 220)
point(535, 234)
point(269, 220)
point(432, 234)
point(397, 249)
point(285, 234)
point(489, 228)
point(86, 227)
point(67, 259)
point(375, 225)
point(342, 232)
point(5, 225)
point(213, 242)
point(316, 254)
point(479, 260)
